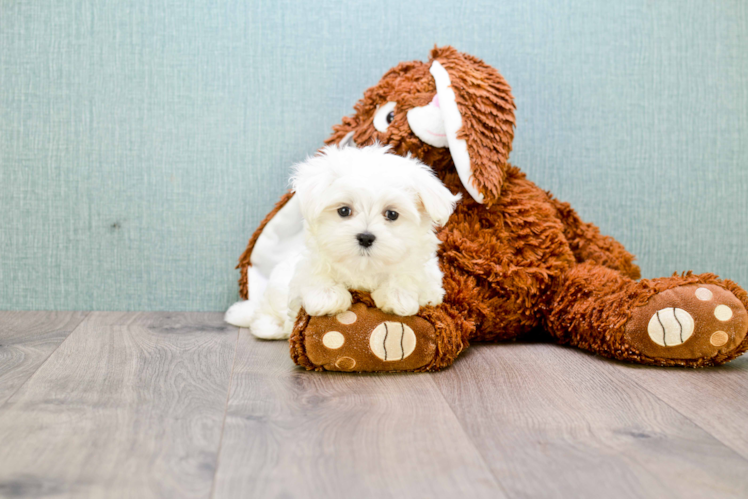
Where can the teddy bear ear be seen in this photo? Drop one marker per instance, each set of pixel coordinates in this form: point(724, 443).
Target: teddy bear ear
point(478, 112)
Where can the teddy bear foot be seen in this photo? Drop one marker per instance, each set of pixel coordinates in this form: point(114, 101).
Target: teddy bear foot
point(363, 339)
point(690, 325)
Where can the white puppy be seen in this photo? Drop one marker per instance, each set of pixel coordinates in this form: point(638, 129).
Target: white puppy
point(369, 222)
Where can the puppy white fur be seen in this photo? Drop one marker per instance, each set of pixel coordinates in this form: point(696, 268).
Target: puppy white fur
point(369, 221)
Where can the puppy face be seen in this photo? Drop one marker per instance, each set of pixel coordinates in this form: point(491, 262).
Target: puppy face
point(366, 208)
point(455, 113)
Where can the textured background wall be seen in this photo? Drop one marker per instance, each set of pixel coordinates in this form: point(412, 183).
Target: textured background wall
point(141, 143)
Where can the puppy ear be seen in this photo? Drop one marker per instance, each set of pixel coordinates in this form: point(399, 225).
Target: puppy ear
point(478, 111)
point(437, 200)
point(310, 180)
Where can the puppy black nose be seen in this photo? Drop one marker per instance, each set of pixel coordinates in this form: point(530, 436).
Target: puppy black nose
point(365, 239)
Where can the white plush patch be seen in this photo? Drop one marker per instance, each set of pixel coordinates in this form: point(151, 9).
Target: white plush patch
point(256, 283)
point(392, 341)
point(670, 327)
point(452, 124)
point(704, 294)
point(428, 125)
point(333, 340)
point(722, 312)
point(281, 237)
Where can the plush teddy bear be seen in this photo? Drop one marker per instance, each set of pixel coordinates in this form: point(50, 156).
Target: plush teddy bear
point(515, 259)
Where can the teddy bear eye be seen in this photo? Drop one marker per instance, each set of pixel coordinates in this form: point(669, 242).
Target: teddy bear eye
point(344, 211)
point(384, 116)
point(391, 215)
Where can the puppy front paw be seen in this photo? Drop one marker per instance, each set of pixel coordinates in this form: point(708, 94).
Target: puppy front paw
point(324, 301)
point(395, 300)
point(264, 326)
point(432, 297)
point(241, 313)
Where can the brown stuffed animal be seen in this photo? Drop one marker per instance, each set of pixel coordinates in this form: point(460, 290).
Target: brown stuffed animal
point(514, 258)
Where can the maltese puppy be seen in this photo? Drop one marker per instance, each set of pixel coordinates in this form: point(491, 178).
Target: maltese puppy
point(369, 222)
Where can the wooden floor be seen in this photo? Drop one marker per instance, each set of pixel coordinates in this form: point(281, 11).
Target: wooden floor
point(183, 405)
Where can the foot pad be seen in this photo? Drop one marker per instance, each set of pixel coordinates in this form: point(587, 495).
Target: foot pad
point(688, 322)
point(369, 340)
point(670, 327)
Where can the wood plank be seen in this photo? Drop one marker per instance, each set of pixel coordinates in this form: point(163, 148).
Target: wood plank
point(27, 338)
point(557, 422)
point(713, 398)
point(131, 405)
point(293, 433)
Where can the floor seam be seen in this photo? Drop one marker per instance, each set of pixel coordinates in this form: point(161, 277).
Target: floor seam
point(676, 410)
point(86, 314)
point(472, 443)
point(225, 414)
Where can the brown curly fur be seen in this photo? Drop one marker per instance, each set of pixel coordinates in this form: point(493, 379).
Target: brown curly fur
point(522, 260)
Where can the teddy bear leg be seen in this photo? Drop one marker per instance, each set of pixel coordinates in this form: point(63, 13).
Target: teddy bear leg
point(689, 320)
point(365, 339)
point(590, 246)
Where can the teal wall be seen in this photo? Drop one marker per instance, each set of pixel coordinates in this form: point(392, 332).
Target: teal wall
point(142, 142)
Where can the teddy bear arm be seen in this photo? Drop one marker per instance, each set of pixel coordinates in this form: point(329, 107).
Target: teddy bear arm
point(521, 252)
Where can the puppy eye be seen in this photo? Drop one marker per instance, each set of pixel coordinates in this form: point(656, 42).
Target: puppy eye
point(391, 215)
point(384, 116)
point(344, 211)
